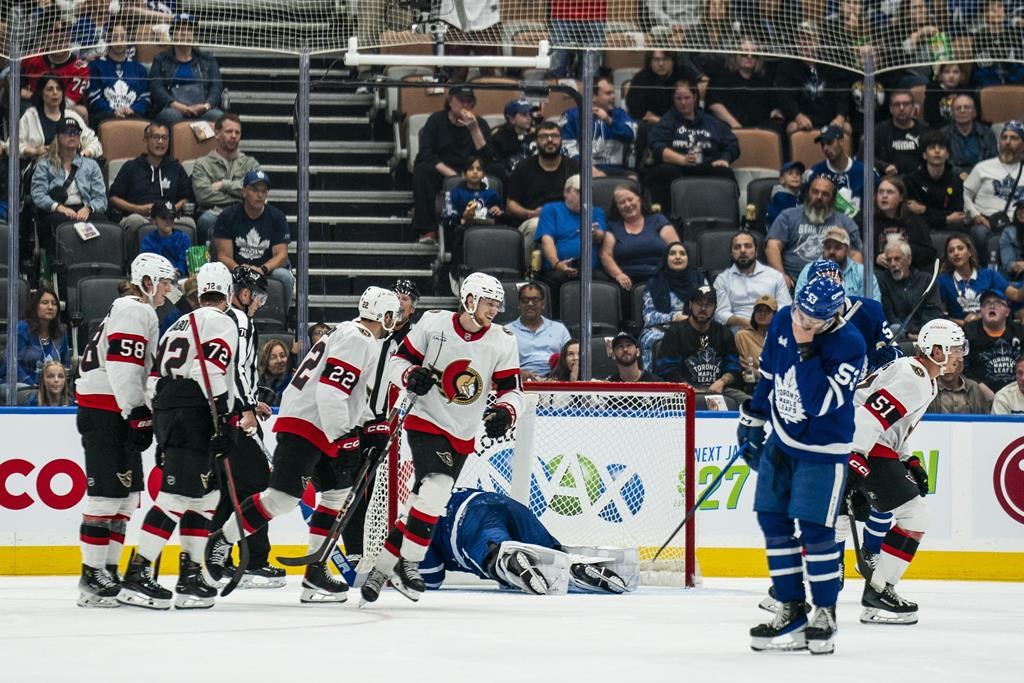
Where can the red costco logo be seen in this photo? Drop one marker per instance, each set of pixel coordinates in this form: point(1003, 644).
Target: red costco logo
point(1008, 480)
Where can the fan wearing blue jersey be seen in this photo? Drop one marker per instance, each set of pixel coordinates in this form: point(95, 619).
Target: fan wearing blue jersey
point(809, 368)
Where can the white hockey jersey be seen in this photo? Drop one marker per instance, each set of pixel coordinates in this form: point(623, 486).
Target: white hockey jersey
point(890, 403)
point(246, 371)
point(177, 357)
point(116, 361)
point(468, 366)
point(326, 398)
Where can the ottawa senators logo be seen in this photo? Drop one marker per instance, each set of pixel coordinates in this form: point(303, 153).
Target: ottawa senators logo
point(460, 383)
point(125, 478)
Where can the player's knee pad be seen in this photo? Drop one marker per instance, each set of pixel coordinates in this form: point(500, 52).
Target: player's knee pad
point(433, 494)
point(775, 525)
point(814, 536)
point(96, 506)
point(173, 502)
point(277, 502)
point(912, 515)
point(334, 498)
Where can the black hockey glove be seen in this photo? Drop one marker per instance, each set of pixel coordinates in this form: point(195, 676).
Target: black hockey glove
point(374, 436)
point(140, 436)
point(750, 434)
point(420, 380)
point(919, 474)
point(497, 420)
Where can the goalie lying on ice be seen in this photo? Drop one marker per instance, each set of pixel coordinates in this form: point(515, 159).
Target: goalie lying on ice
point(495, 537)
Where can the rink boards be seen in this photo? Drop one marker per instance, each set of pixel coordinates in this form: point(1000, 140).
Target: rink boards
point(976, 506)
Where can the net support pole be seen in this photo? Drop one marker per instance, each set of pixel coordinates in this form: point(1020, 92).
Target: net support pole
point(302, 215)
point(13, 193)
point(586, 130)
point(523, 459)
point(868, 199)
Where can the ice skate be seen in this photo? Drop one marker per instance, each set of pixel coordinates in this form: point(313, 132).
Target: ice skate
point(217, 554)
point(139, 589)
point(886, 607)
point(192, 591)
point(320, 585)
point(266, 576)
point(770, 604)
point(596, 578)
point(869, 559)
point(97, 588)
point(114, 575)
point(821, 632)
point(372, 587)
point(784, 633)
point(409, 583)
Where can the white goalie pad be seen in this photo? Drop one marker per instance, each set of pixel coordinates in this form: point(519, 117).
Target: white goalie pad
point(552, 565)
point(623, 561)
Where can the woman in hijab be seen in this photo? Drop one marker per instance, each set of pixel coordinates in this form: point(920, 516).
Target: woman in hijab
point(667, 297)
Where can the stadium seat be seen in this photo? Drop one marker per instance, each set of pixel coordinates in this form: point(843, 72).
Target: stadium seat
point(759, 193)
point(272, 316)
point(511, 311)
point(496, 251)
point(636, 296)
point(94, 296)
point(692, 253)
point(22, 286)
point(993, 251)
point(406, 43)
point(414, 124)
point(491, 101)
point(605, 307)
point(1001, 103)
point(101, 255)
point(803, 148)
point(122, 139)
point(939, 238)
point(25, 393)
point(715, 253)
point(601, 364)
point(696, 197)
point(184, 144)
point(113, 168)
point(4, 232)
point(603, 191)
point(759, 148)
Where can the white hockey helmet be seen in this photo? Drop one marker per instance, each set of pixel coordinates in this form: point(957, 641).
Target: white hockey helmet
point(214, 277)
point(945, 334)
point(376, 303)
point(154, 266)
point(481, 285)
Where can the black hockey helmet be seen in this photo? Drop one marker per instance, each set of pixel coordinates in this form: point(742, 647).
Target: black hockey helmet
point(247, 278)
point(408, 287)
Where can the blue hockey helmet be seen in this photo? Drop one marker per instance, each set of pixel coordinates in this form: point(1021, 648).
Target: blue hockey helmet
point(820, 299)
point(825, 268)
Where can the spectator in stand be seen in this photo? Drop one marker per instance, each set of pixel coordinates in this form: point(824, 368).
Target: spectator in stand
point(1010, 399)
point(835, 246)
point(671, 20)
point(447, 141)
point(765, 19)
point(565, 365)
point(923, 39)
point(786, 193)
point(118, 83)
point(39, 124)
point(558, 231)
point(941, 93)
point(88, 32)
point(66, 186)
point(688, 142)
point(902, 286)
point(185, 82)
point(72, 71)
point(846, 173)
point(993, 186)
point(702, 352)
point(634, 245)
point(750, 340)
point(41, 337)
point(53, 389)
point(998, 50)
point(934, 191)
point(652, 88)
point(958, 395)
point(962, 281)
point(469, 203)
point(614, 132)
point(1011, 245)
point(795, 238)
point(537, 181)
point(626, 352)
point(894, 217)
point(743, 96)
point(717, 37)
point(746, 282)
point(172, 244)
point(811, 95)
point(254, 234)
point(217, 177)
point(579, 23)
point(516, 139)
point(897, 141)
point(996, 341)
point(969, 140)
point(150, 179)
point(667, 297)
point(539, 338)
point(273, 368)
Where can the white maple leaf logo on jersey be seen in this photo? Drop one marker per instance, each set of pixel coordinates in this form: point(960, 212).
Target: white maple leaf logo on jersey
point(252, 246)
point(120, 95)
point(787, 398)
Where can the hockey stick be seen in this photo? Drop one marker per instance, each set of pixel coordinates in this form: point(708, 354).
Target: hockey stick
point(243, 546)
point(903, 326)
point(711, 488)
point(863, 567)
point(338, 559)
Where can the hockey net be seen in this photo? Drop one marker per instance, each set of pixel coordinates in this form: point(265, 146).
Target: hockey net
point(599, 463)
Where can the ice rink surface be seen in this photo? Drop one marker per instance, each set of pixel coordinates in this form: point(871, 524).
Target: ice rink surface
point(967, 632)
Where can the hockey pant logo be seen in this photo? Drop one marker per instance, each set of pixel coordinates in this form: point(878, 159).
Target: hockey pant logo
point(446, 458)
point(305, 482)
point(125, 478)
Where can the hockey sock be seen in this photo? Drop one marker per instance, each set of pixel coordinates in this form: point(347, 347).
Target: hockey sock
point(822, 556)
point(94, 535)
point(785, 565)
point(195, 529)
point(392, 549)
point(254, 516)
point(898, 550)
point(157, 528)
point(320, 526)
point(118, 525)
point(875, 530)
point(418, 530)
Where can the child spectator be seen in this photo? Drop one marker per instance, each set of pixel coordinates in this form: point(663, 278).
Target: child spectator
point(53, 389)
point(942, 90)
point(172, 244)
point(469, 203)
point(786, 194)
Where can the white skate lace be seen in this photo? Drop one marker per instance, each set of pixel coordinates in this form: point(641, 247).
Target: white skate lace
point(893, 596)
point(103, 579)
point(220, 553)
point(823, 619)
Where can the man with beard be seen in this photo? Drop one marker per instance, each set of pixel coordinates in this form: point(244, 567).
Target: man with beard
point(995, 342)
point(903, 287)
point(835, 246)
point(993, 186)
point(537, 181)
point(795, 238)
point(626, 352)
point(217, 177)
point(746, 281)
point(846, 173)
point(897, 141)
point(614, 132)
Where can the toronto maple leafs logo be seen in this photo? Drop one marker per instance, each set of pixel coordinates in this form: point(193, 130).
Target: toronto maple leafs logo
point(119, 95)
point(1007, 186)
point(252, 247)
point(788, 404)
point(705, 366)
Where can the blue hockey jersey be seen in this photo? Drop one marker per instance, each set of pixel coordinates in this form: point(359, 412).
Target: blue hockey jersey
point(810, 402)
point(868, 317)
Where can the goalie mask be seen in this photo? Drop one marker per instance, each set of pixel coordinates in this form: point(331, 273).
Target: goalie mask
point(153, 266)
point(481, 285)
point(214, 277)
point(376, 303)
point(945, 334)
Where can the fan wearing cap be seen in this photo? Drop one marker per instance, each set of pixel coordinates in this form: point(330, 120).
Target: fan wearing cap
point(172, 244)
point(67, 186)
point(996, 340)
point(447, 140)
point(516, 139)
point(185, 81)
point(846, 173)
point(750, 341)
point(254, 234)
point(785, 193)
point(835, 246)
point(626, 352)
point(993, 186)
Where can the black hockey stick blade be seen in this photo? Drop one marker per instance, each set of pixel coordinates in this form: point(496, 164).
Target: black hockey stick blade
point(243, 544)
